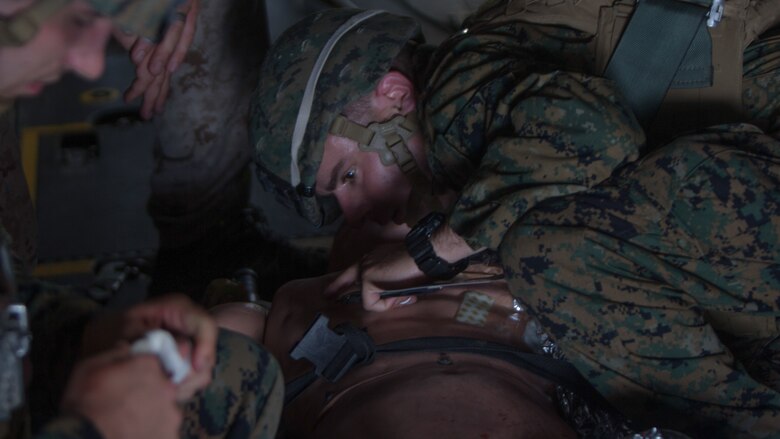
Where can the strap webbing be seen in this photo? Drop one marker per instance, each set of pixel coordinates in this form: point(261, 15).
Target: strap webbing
point(652, 49)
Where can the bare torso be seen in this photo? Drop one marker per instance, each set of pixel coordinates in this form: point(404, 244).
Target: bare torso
point(416, 394)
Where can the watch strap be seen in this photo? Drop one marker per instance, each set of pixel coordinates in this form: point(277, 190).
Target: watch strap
point(418, 244)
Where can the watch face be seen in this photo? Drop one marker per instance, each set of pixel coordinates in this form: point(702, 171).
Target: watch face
point(432, 222)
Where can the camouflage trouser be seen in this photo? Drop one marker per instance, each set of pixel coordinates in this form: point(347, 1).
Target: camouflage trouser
point(244, 399)
point(203, 150)
point(654, 283)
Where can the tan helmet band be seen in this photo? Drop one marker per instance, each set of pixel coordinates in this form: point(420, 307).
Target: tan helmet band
point(388, 139)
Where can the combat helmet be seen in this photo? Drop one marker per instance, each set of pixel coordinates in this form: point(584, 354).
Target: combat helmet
point(146, 18)
point(311, 72)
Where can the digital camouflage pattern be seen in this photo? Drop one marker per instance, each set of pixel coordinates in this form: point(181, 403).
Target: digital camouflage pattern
point(201, 155)
point(761, 87)
point(244, 398)
point(661, 284)
point(511, 119)
point(627, 285)
point(361, 57)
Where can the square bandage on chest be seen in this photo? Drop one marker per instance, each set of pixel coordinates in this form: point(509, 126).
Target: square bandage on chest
point(474, 309)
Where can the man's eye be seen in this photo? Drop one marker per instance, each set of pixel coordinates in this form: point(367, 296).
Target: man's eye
point(350, 175)
point(83, 20)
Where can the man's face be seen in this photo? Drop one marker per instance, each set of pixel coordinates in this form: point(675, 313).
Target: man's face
point(73, 39)
point(364, 187)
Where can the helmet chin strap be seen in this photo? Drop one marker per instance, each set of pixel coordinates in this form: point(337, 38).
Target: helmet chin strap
point(389, 140)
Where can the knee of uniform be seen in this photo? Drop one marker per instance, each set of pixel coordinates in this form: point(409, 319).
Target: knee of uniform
point(245, 394)
point(243, 362)
point(245, 388)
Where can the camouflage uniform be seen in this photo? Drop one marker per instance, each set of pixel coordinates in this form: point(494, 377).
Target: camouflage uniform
point(645, 280)
point(517, 123)
point(512, 119)
point(244, 399)
point(201, 171)
point(626, 276)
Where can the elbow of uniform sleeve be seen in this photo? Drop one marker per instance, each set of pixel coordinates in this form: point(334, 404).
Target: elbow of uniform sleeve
point(484, 227)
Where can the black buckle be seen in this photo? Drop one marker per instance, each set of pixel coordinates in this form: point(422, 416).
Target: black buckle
point(334, 351)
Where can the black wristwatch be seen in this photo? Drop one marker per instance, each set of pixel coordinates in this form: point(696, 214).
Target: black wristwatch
point(418, 244)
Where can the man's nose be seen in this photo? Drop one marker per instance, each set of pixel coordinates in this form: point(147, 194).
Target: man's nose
point(88, 57)
point(87, 63)
point(352, 209)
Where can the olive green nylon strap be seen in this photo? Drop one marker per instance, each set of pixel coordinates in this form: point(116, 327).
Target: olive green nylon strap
point(344, 127)
point(386, 139)
point(651, 51)
point(22, 27)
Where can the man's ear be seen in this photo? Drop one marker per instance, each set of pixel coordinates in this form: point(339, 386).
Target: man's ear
point(394, 94)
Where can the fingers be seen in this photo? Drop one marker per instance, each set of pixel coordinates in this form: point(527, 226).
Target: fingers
point(179, 315)
point(162, 53)
point(170, 52)
point(204, 332)
point(125, 40)
point(114, 355)
point(156, 62)
point(139, 50)
point(372, 300)
point(194, 382)
point(186, 38)
point(162, 95)
point(346, 279)
point(155, 91)
point(142, 79)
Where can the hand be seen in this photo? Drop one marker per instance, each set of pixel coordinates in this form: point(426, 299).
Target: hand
point(124, 396)
point(390, 267)
point(155, 63)
point(175, 313)
point(386, 267)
